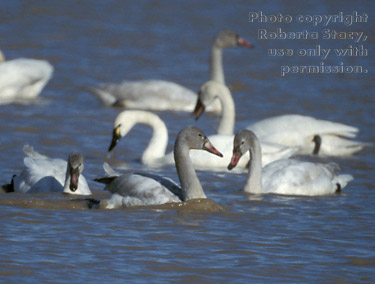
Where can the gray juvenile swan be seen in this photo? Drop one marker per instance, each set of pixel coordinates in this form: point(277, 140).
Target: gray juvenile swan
point(287, 176)
point(159, 95)
point(43, 174)
point(134, 189)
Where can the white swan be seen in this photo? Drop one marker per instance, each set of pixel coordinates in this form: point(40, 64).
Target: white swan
point(43, 174)
point(313, 136)
point(23, 78)
point(145, 189)
point(208, 93)
point(287, 176)
point(161, 95)
point(310, 135)
point(155, 153)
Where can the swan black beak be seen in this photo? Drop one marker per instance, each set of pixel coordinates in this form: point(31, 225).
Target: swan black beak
point(115, 138)
point(199, 109)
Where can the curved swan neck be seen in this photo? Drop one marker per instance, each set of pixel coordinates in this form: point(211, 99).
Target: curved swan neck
point(227, 121)
point(190, 185)
point(159, 140)
point(216, 64)
point(254, 176)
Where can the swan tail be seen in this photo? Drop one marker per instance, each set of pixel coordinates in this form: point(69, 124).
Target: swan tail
point(30, 152)
point(105, 97)
point(111, 175)
point(341, 181)
point(109, 170)
point(339, 146)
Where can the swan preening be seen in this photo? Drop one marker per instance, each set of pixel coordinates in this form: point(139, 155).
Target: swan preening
point(159, 95)
point(310, 135)
point(43, 174)
point(134, 189)
point(22, 79)
point(286, 176)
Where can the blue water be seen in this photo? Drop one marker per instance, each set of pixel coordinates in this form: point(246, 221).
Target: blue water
point(271, 239)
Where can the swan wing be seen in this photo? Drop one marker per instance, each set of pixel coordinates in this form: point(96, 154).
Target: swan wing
point(293, 177)
point(143, 189)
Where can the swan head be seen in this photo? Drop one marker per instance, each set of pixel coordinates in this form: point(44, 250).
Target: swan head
point(124, 122)
point(194, 138)
point(228, 38)
point(74, 169)
point(244, 140)
point(208, 93)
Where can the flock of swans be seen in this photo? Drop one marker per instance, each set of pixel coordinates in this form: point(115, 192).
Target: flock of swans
point(272, 143)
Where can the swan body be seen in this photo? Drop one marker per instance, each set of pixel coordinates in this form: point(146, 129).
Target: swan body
point(134, 189)
point(43, 174)
point(286, 176)
point(290, 130)
point(159, 95)
point(23, 79)
point(299, 130)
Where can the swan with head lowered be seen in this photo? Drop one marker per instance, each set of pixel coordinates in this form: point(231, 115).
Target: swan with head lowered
point(43, 174)
point(159, 95)
point(310, 135)
point(22, 79)
point(135, 189)
point(287, 176)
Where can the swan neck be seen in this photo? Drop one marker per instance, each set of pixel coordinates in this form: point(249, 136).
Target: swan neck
point(190, 185)
point(2, 57)
point(228, 116)
point(158, 143)
point(217, 71)
point(254, 176)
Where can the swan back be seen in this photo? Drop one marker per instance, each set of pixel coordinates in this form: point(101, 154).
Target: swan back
point(23, 78)
point(299, 130)
point(43, 174)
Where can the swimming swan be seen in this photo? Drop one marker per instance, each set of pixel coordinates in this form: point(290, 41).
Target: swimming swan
point(287, 176)
point(310, 135)
point(134, 189)
point(43, 174)
point(159, 95)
